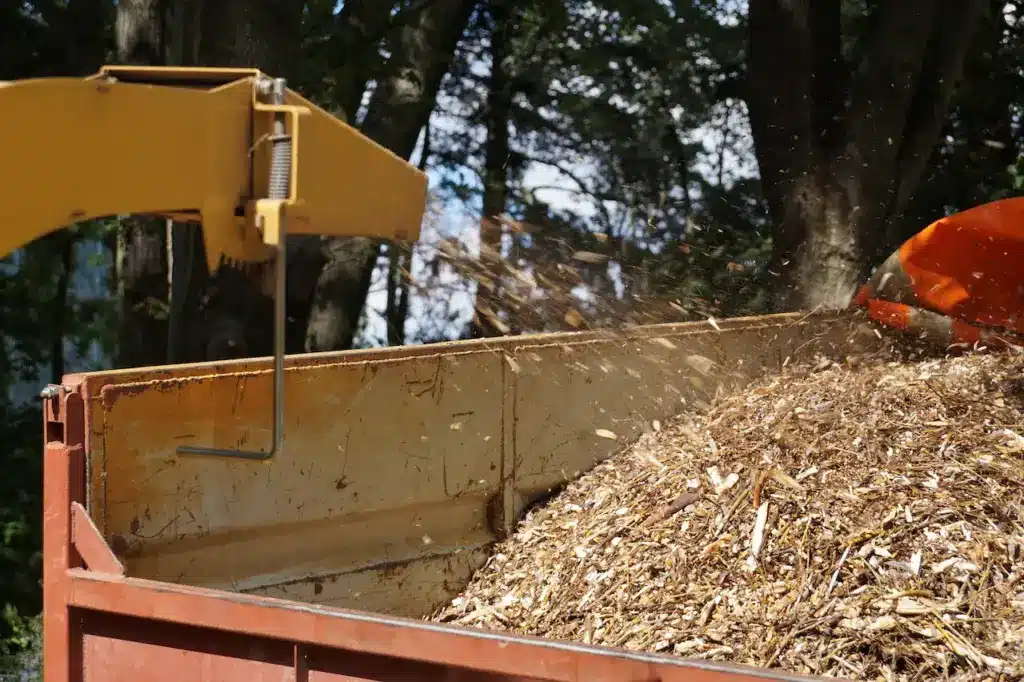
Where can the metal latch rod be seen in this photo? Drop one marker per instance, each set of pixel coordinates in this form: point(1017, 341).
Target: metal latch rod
point(280, 170)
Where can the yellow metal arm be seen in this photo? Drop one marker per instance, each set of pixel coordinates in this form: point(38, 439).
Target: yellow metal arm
point(233, 148)
point(193, 144)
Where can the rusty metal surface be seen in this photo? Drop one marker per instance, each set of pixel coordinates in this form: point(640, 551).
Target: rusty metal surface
point(146, 624)
point(401, 465)
point(132, 649)
point(87, 541)
point(64, 465)
point(118, 649)
point(367, 483)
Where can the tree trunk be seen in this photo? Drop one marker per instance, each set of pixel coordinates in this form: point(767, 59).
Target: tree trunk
point(141, 267)
point(201, 317)
point(841, 148)
point(981, 124)
point(84, 27)
point(496, 155)
point(140, 32)
point(61, 245)
point(400, 106)
point(185, 255)
point(361, 25)
point(141, 273)
point(399, 266)
point(225, 315)
point(400, 271)
point(264, 34)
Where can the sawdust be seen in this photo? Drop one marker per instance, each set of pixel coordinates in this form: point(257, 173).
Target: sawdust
point(859, 522)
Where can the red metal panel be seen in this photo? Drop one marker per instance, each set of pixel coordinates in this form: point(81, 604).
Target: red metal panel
point(64, 484)
point(89, 544)
point(121, 649)
point(390, 642)
point(127, 650)
point(326, 665)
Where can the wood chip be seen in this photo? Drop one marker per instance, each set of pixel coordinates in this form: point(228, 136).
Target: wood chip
point(679, 504)
point(879, 502)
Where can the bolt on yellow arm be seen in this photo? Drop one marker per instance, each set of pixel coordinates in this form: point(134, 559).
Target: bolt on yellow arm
point(195, 144)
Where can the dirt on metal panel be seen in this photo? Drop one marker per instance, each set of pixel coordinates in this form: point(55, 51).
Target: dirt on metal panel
point(373, 473)
point(400, 467)
point(418, 582)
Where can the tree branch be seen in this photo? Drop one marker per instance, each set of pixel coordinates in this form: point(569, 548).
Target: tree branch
point(599, 198)
point(360, 26)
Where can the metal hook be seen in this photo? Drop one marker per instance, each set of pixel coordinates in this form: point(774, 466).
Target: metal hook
point(280, 168)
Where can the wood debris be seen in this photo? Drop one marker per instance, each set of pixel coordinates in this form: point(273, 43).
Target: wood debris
point(872, 527)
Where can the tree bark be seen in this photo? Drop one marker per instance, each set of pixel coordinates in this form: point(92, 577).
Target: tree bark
point(400, 270)
point(182, 33)
point(981, 115)
point(83, 24)
point(64, 247)
point(140, 32)
point(201, 317)
point(399, 264)
point(842, 149)
point(400, 106)
point(361, 25)
point(141, 273)
point(141, 266)
point(225, 315)
point(265, 34)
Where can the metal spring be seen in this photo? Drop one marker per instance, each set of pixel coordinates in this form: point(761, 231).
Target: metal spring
point(280, 166)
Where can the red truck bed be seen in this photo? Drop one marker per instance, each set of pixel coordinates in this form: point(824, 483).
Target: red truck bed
point(102, 625)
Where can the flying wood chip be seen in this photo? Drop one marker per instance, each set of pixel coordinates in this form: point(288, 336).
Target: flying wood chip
point(590, 257)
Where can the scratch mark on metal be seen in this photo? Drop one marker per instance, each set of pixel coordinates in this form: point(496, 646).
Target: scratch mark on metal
point(344, 456)
point(159, 532)
point(239, 392)
point(439, 381)
point(444, 474)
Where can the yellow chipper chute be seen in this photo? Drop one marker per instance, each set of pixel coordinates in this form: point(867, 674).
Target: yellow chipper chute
point(232, 148)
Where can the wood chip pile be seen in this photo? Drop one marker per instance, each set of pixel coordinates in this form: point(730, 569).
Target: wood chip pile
point(859, 522)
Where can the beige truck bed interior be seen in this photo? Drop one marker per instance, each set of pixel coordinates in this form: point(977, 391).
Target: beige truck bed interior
point(401, 466)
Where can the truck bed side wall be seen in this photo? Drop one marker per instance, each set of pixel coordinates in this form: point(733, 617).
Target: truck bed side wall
point(400, 466)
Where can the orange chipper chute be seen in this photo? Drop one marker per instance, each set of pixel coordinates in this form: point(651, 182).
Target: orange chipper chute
point(960, 279)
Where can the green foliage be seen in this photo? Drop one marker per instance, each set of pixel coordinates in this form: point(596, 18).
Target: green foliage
point(22, 652)
point(20, 528)
point(48, 322)
point(622, 103)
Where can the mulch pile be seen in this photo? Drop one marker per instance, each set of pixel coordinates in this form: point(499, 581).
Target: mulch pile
point(861, 522)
